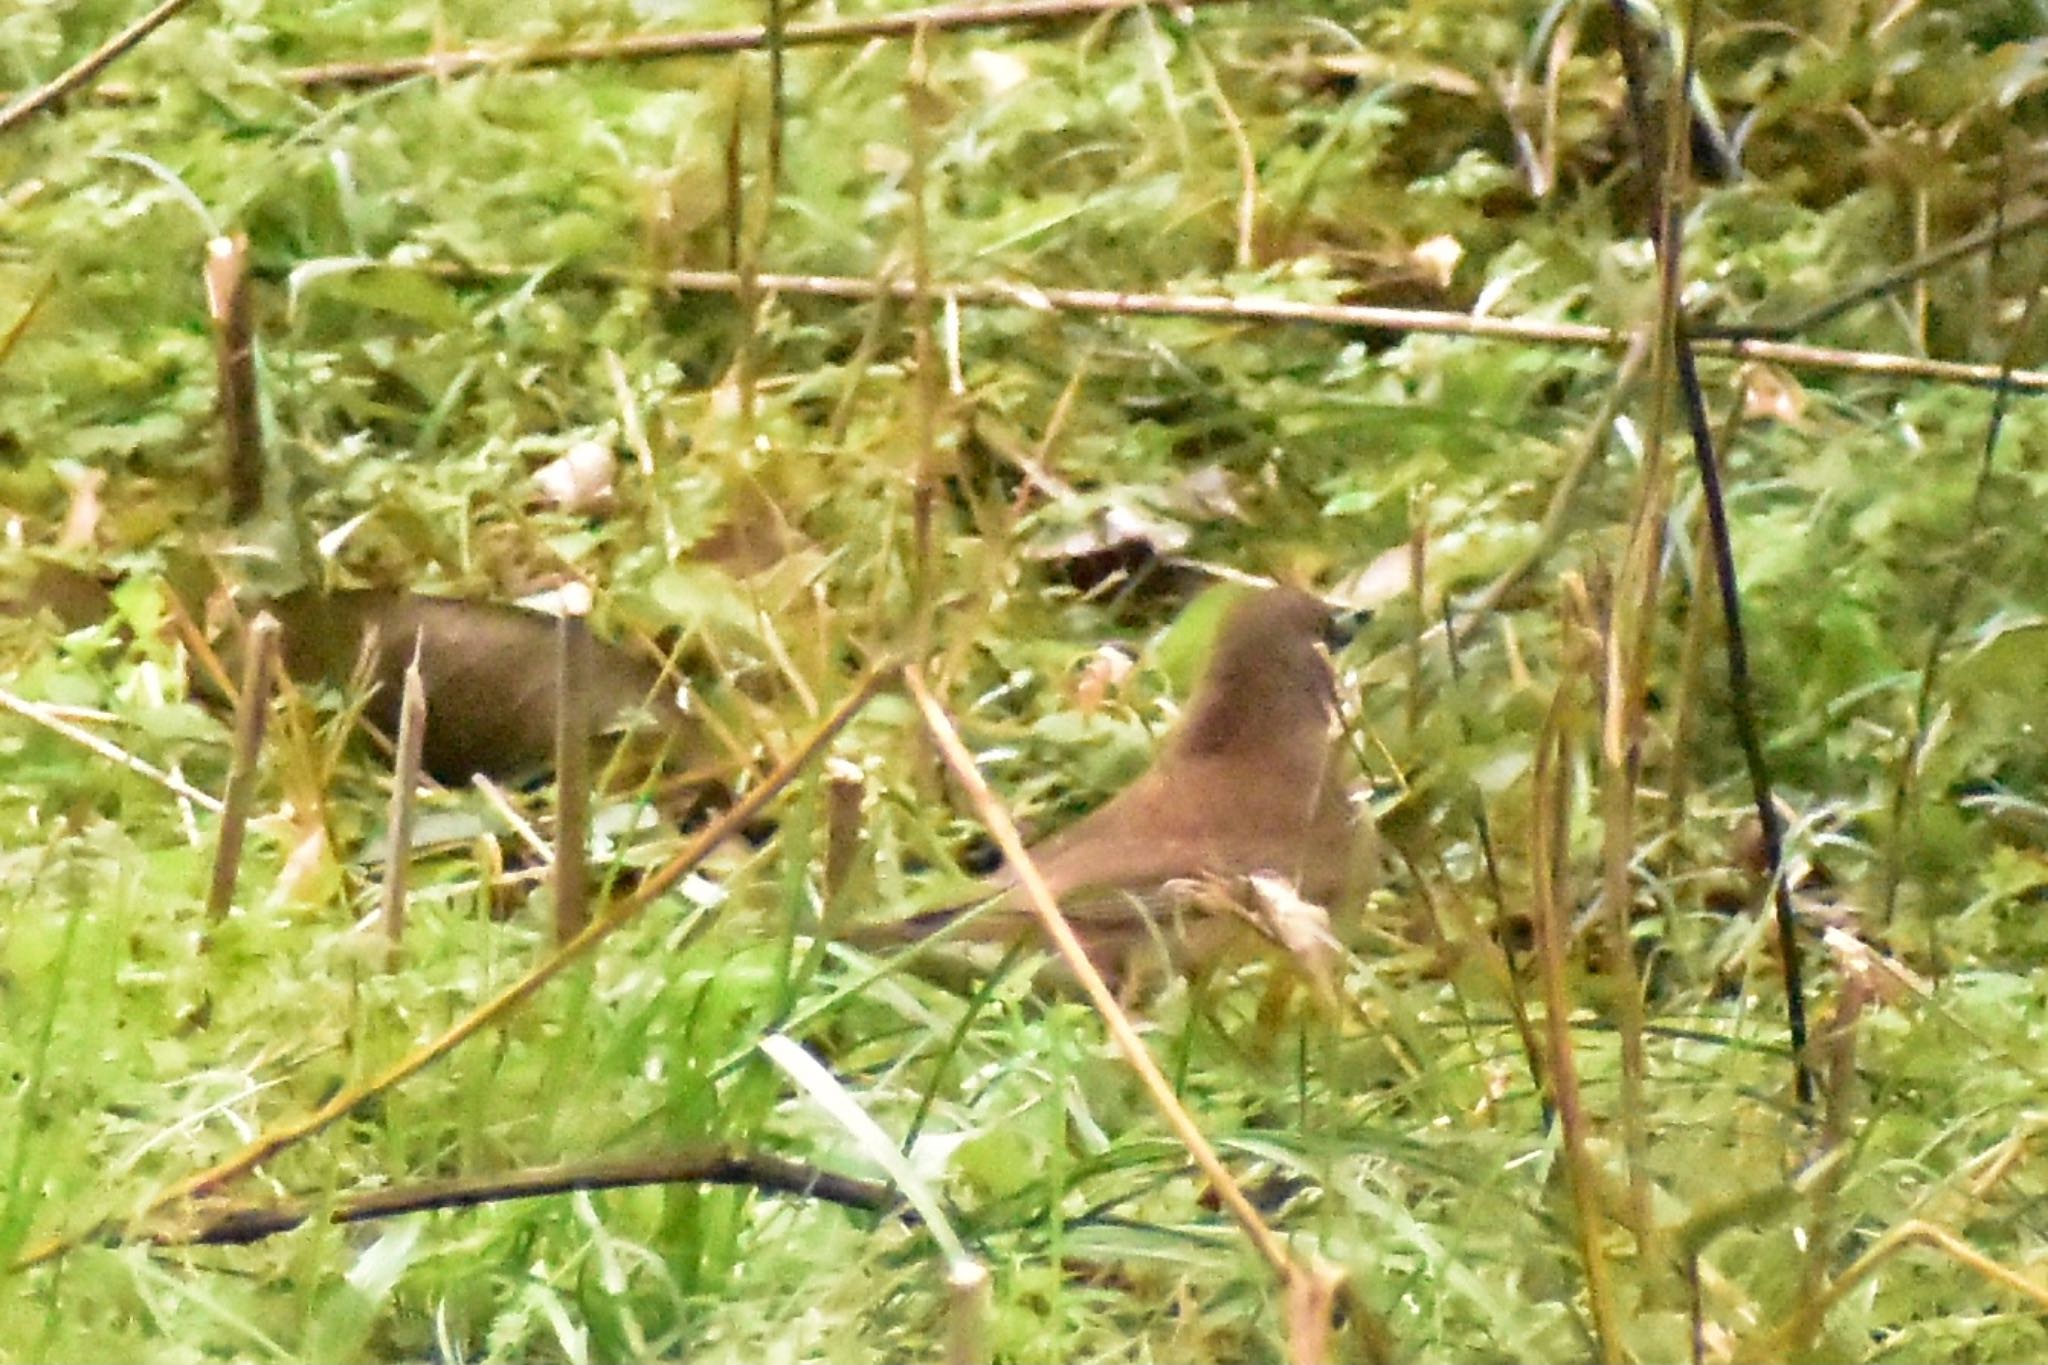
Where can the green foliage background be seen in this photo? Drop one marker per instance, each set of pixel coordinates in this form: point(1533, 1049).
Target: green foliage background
point(445, 267)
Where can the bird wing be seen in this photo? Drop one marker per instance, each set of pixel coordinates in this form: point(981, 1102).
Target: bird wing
point(1200, 820)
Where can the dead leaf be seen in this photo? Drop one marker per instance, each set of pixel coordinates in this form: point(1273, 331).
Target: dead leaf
point(1301, 928)
point(82, 517)
point(580, 480)
point(1207, 494)
point(1389, 575)
point(1438, 259)
point(1772, 395)
point(999, 71)
point(753, 537)
point(1106, 529)
point(1383, 69)
point(1101, 677)
point(1888, 980)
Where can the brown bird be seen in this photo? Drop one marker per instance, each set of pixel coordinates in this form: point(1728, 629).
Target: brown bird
point(1251, 781)
point(489, 670)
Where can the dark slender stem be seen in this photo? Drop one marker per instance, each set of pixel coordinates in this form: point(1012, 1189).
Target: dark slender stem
point(2002, 226)
point(1667, 232)
point(775, 37)
point(1742, 711)
point(712, 1165)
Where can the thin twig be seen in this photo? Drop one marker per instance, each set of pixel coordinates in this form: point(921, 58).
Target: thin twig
point(1741, 702)
point(1742, 712)
point(970, 1304)
point(1247, 160)
point(1495, 952)
point(1038, 896)
point(1418, 621)
point(1251, 308)
point(1685, 689)
point(252, 708)
point(845, 794)
point(522, 828)
point(647, 47)
point(1630, 628)
point(741, 257)
point(920, 111)
point(775, 37)
point(18, 329)
point(188, 634)
point(708, 1165)
point(1006, 294)
point(85, 68)
point(44, 717)
point(1779, 1341)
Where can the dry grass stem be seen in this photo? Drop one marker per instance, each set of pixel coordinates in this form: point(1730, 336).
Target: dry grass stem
point(522, 828)
point(234, 352)
point(1550, 795)
point(921, 110)
point(252, 708)
point(85, 739)
point(405, 782)
point(572, 778)
point(970, 1302)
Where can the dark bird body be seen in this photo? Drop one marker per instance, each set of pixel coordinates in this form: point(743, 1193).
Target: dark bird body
point(490, 672)
point(1250, 781)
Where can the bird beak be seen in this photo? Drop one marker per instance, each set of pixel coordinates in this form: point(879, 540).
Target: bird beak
point(1344, 627)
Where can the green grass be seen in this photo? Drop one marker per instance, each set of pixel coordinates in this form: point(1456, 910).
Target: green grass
point(411, 402)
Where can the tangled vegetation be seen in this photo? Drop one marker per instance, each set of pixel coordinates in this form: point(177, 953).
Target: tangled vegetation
point(977, 346)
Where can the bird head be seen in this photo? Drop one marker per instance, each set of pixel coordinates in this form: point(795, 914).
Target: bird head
point(1267, 675)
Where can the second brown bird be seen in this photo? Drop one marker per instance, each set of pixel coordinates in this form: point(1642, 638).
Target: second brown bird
point(1250, 781)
